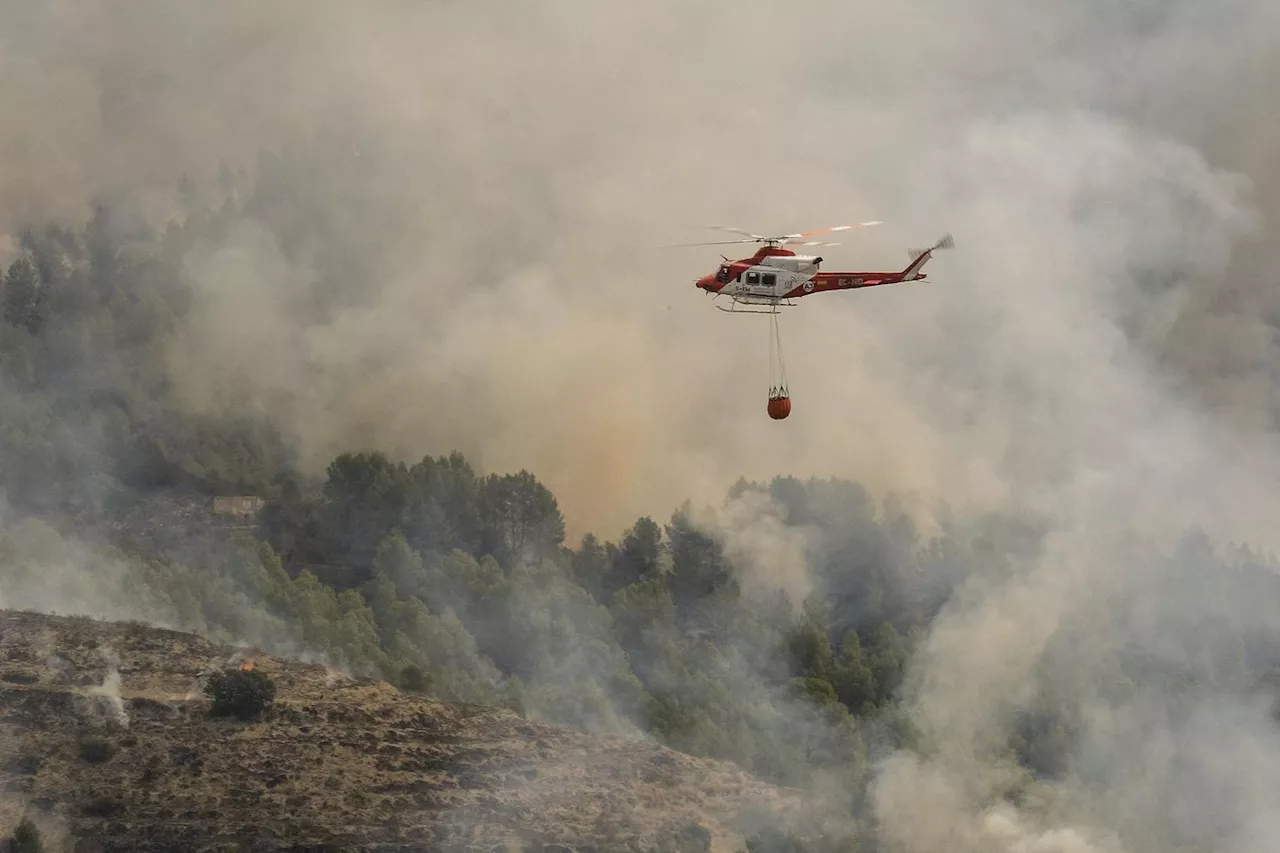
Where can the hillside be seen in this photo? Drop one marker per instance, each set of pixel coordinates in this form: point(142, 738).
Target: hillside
point(339, 764)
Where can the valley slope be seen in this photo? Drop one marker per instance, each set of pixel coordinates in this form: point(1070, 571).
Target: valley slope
point(337, 764)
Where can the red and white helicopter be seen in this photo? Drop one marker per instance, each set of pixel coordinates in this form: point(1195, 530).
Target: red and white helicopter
point(774, 276)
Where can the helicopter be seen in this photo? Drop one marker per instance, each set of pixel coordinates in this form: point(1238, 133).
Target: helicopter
point(774, 276)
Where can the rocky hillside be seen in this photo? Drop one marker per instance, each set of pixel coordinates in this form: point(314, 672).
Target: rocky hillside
point(108, 744)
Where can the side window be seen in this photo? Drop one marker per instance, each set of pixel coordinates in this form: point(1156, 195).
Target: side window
point(769, 279)
point(753, 278)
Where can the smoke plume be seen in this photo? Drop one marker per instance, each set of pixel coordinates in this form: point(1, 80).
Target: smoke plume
point(466, 201)
point(493, 183)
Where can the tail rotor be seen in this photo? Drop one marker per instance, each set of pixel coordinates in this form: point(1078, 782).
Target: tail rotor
point(946, 242)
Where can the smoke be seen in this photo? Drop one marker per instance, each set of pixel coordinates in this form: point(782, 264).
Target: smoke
point(108, 702)
point(1111, 431)
point(483, 188)
point(768, 551)
point(48, 571)
point(459, 253)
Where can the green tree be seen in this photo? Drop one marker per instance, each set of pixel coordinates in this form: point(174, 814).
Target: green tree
point(645, 616)
point(816, 690)
point(853, 680)
point(810, 650)
point(636, 559)
point(699, 570)
point(589, 565)
point(442, 650)
point(442, 511)
point(366, 499)
point(522, 519)
point(887, 659)
point(644, 606)
point(398, 563)
point(22, 296)
point(563, 647)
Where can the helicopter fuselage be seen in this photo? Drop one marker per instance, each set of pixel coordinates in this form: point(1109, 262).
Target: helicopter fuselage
point(775, 274)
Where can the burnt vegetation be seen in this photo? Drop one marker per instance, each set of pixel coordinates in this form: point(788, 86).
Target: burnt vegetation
point(444, 580)
point(96, 750)
point(243, 694)
point(25, 839)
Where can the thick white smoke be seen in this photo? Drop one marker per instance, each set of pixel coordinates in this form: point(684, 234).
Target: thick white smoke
point(1096, 349)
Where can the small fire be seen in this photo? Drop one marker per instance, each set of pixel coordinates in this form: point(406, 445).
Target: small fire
point(247, 666)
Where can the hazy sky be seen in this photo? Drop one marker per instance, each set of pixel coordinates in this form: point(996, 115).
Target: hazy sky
point(514, 167)
point(1097, 347)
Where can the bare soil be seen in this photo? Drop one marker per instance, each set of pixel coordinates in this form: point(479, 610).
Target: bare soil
point(106, 742)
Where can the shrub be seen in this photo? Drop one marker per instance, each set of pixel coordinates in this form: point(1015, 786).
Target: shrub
point(244, 694)
point(14, 677)
point(26, 838)
point(772, 840)
point(413, 679)
point(24, 765)
point(103, 806)
point(96, 750)
point(693, 838)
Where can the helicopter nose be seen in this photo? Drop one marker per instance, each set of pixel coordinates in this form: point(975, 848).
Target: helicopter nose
point(707, 282)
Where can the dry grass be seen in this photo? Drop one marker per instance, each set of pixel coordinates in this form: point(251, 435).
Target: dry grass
point(340, 762)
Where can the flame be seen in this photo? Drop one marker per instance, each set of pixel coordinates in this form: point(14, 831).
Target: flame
point(247, 666)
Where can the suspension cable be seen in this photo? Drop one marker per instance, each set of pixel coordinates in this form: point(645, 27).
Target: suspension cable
point(778, 379)
point(773, 384)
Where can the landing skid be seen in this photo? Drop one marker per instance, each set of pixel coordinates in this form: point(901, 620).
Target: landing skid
point(765, 305)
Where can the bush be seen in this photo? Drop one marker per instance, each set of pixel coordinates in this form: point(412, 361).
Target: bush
point(772, 840)
point(245, 694)
point(103, 806)
point(693, 838)
point(26, 838)
point(96, 750)
point(816, 690)
point(14, 677)
point(414, 680)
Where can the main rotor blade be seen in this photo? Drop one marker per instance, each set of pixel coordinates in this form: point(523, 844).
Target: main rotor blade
point(780, 240)
point(711, 243)
point(732, 230)
point(801, 235)
point(790, 237)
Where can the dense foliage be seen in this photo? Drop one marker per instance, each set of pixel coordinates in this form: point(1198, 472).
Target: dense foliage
point(243, 694)
point(447, 580)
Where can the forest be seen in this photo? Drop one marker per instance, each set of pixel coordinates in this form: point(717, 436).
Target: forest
point(460, 583)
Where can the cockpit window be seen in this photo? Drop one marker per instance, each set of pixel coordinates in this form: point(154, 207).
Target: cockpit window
point(723, 274)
